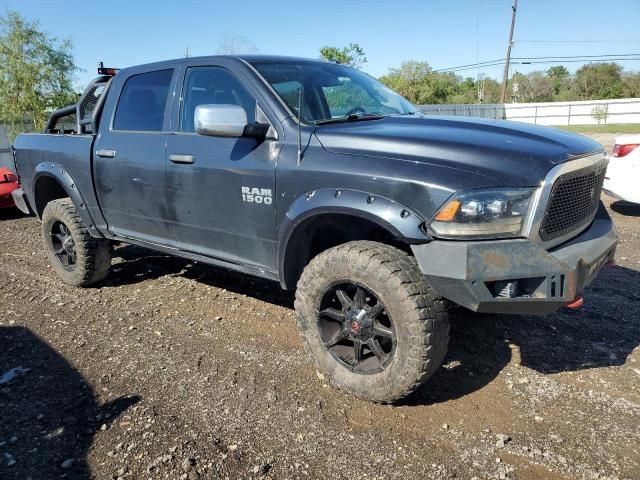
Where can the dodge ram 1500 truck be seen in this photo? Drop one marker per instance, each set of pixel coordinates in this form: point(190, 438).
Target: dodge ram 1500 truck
point(319, 177)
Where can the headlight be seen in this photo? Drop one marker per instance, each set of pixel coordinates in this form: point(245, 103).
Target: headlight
point(494, 213)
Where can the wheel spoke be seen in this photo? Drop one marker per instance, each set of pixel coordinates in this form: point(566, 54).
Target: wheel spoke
point(345, 301)
point(375, 310)
point(377, 351)
point(382, 331)
point(357, 352)
point(359, 299)
point(337, 338)
point(333, 314)
point(63, 229)
point(72, 257)
point(59, 251)
point(61, 238)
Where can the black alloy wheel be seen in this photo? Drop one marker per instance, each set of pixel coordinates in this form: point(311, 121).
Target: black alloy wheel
point(63, 245)
point(356, 328)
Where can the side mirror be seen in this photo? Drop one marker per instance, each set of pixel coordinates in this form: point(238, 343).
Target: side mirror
point(220, 120)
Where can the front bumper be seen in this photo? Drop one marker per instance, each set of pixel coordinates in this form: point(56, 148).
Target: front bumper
point(473, 274)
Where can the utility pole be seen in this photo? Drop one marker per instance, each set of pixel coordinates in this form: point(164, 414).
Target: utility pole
point(505, 76)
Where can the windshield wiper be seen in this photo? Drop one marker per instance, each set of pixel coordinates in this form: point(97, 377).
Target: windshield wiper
point(350, 118)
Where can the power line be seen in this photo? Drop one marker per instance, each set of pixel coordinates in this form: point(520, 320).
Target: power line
point(579, 56)
point(479, 64)
point(579, 61)
point(551, 59)
point(540, 62)
point(577, 41)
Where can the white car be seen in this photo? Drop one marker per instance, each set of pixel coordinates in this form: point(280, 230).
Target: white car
point(622, 180)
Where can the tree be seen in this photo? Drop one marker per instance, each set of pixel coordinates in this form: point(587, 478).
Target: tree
point(352, 55)
point(631, 85)
point(597, 81)
point(600, 113)
point(232, 44)
point(417, 82)
point(36, 74)
point(410, 81)
point(533, 87)
point(560, 77)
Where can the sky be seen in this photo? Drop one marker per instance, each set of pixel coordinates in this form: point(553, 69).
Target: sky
point(443, 33)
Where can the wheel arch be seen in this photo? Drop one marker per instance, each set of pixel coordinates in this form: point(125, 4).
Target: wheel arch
point(52, 182)
point(325, 218)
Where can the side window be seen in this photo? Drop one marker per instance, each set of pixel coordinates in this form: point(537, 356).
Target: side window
point(142, 102)
point(213, 85)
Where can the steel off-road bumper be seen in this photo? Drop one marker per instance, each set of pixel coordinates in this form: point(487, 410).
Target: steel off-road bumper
point(520, 275)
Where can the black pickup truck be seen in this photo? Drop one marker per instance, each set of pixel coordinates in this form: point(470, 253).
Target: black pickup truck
point(317, 176)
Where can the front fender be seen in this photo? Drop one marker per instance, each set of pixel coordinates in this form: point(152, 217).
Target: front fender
point(60, 175)
point(402, 222)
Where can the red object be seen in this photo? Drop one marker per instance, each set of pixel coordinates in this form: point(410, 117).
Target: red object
point(622, 150)
point(577, 303)
point(8, 183)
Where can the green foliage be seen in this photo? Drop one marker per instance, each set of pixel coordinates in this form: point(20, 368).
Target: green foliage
point(421, 85)
point(352, 55)
point(36, 74)
point(560, 79)
point(597, 81)
point(631, 85)
point(534, 87)
point(558, 72)
point(600, 113)
point(417, 82)
point(617, 128)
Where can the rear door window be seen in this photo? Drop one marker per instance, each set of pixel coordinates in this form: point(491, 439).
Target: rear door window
point(142, 102)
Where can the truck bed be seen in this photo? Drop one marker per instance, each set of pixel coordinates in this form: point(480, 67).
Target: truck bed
point(40, 153)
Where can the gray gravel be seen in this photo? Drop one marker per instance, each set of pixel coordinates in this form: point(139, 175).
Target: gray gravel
point(174, 370)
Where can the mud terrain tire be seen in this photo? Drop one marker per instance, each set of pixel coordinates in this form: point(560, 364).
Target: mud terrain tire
point(420, 318)
point(67, 240)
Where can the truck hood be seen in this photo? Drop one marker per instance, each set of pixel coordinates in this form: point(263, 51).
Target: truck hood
point(510, 153)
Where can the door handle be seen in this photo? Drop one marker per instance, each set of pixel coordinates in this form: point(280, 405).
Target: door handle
point(180, 158)
point(106, 153)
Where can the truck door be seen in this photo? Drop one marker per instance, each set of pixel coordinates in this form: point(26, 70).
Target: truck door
point(129, 159)
point(220, 189)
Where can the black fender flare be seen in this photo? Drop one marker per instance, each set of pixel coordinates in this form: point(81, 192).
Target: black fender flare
point(401, 222)
point(59, 174)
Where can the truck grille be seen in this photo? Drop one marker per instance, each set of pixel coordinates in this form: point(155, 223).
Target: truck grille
point(573, 201)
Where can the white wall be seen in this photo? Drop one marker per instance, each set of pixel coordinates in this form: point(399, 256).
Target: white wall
point(625, 110)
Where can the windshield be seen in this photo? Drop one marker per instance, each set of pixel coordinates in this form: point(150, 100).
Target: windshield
point(329, 91)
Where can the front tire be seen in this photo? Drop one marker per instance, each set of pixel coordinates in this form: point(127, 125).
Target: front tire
point(78, 258)
point(370, 320)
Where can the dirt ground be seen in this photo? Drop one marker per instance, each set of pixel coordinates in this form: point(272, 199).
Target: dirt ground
point(175, 370)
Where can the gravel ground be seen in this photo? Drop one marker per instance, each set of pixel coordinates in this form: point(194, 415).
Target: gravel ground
point(175, 370)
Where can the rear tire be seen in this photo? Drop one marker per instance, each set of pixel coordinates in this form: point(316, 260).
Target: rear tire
point(78, 258)
point(405, 338)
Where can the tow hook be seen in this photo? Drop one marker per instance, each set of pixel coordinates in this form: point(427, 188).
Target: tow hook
point(577, 303)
